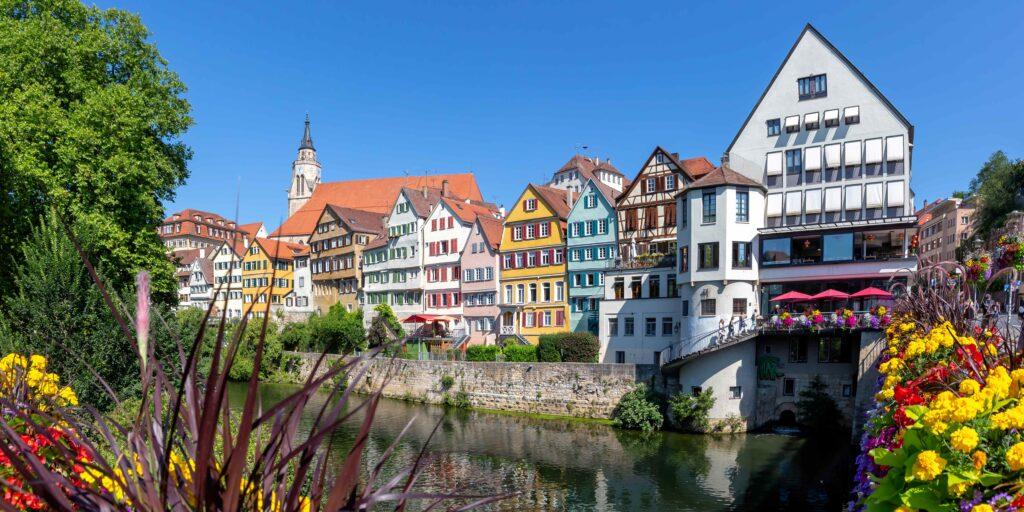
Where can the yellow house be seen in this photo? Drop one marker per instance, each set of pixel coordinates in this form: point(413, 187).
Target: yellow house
point(267, 260)
point(534, 299)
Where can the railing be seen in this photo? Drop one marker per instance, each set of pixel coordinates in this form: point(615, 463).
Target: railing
point(646, 261)
point(507, 330)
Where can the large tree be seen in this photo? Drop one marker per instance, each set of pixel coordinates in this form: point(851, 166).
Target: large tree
point(90, 124)
point(999, 187)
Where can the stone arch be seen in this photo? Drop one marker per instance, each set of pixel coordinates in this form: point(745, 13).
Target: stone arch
point(785, 414)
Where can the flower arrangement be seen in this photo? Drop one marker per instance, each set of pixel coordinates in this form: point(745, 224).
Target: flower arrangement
point(786, 319)
point(978, 270)
point(945, 432)
point(1010, 252)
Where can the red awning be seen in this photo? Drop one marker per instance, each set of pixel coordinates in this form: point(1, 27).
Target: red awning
point(792, 297)
point(422, 319)
point(831, 294)
point(872, 293)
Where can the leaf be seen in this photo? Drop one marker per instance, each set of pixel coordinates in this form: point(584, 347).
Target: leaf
point(912, 440)
point(915, 412)
point(989, 479)
point(884, 457)
point(923, 497)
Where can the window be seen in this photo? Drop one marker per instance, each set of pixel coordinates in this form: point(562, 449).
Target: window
point(833, 349)
point(851, 115)
point(670, 182)
point(774, 127)
point(788, 387)
point(798, 350)
point(613, 326)
point(530, 205)
point(654, 287)
point(635, 287)
point(742, 206)
point(695, 390)
point(650, 326)
point(620, 357)
point(794, 162)
point(708, 307)
point(667, 326)
point(686, 308)
point(813, 87)
point(838, 247)
point(651, 185)
point(775, 251)
point(847, 390)
point(831, 118)
point(590, 201)
point(684, 258)
point(545, 229)
point(739, 307)
point(708, 255)
point(735, 392)
point(709, 206)
point(627, 326)
point(670, 286)
point(741, 255)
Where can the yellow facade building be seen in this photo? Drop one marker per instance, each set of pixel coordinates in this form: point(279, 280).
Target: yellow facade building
point(268, 262)
point(534, 299)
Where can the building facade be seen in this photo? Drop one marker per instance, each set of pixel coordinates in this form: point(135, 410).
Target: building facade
point(194, 229)
point(647, 208)
point(480, 262)
point(835, 156)
point(534, 299)
point(579, 169)
point(336, 252)
point(268, 274)
point(227, 280)
point(942, 226)
point(719, 218)
point(298, 304)
point(639, 315)
point(591, 248)
point(305, 173)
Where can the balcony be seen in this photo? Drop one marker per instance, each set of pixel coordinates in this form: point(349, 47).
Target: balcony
point(649, 260)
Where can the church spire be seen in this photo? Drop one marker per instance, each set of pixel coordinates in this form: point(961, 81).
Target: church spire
point(307, 141)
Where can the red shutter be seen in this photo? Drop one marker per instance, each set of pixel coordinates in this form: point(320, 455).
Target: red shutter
point(537, 321)
point(559, 318)
point(451, 222)
point(455, 245)
point(433, 225)
point(522, 318)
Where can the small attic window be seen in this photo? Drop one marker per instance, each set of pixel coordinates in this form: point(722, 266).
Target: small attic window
point(813, 87)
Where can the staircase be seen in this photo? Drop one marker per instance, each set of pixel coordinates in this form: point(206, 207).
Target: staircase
point(715, 344)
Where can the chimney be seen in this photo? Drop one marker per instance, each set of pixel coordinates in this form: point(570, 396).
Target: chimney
point(444, 188)
point(424, 191)
point(725, 159)
point(676, 155)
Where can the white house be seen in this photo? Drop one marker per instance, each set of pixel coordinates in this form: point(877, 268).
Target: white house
point(639, 315)
point(298, 304)
point(227, 281)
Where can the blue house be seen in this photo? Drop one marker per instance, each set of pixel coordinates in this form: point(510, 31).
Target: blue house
point(592, 245)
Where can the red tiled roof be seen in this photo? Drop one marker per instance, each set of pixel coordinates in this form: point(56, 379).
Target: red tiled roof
point(189, 213)
point(281, 250)
point(697, 166)
point(380, 241)
point(609, 193)
point(185, 257)
point(723, 176)
point(491, 229)
point(556, 198)
point(360, 221)
point(251, 229)
point(468, 212)
point(374, 195)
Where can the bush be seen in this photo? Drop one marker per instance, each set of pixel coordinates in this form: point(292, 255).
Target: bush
point(384, 311)
point(818, 411)
point(520, 353)
point(459, 400)
point(690, 413)
point(447, 381)
point(482, 352)
point(381, 332)
point(579, 347)
point(638, 410)
point(339, 331)
point(547, 349)
point(295, 336)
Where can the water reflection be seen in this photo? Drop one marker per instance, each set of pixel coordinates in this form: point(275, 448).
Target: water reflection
point(572, 465)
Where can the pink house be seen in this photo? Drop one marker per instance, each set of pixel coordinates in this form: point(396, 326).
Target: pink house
point(479, 262)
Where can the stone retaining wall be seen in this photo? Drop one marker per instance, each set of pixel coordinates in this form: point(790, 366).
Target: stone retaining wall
point(567, 389)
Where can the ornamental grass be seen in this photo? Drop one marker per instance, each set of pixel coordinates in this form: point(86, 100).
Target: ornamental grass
point(946, 430)
point(187, 447)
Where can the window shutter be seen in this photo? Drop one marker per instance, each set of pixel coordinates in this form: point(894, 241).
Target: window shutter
point(451, 222)
point(455, 245)
point(433, 225)
point(559, 318)
point(539, 317)
point(643, 185)
point(660, 184)
point(522, 319)
point(551, 256)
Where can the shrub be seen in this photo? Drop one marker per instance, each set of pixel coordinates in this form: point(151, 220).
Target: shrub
point(447, 381)
point(520, 353)
point(579, 347)
point(638, 410)
point(339, 331)
point(384, 311)
point(482, 352)
point(295, 336)
point(459, 400)
point(690, 413)
point(818, 411)
point(547, 349)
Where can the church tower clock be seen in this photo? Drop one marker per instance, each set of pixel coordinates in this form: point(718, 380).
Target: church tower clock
point(305, 173)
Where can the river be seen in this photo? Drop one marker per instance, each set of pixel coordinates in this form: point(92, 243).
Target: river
point(555, 464)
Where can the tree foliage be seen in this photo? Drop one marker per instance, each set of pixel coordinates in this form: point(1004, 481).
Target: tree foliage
point(385, 311)
point(999, 187)
point(90, 123)
point(690, 413)
point(338, 332)
point(547, 349)
point(818, 411)
point(520, 353)
point(381, 332)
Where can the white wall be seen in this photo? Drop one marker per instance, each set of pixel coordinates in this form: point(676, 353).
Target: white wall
point(733, 366)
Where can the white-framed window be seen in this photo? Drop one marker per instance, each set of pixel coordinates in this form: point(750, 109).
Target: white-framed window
point(670, 182)
point(652, 185)
point(530, 205)
point(545, 258)
point(602, 226)
point(590, 201)
point(588, 228)
point(517, 233)
point(530, 231)
point(574, 229)
point(559, 291)
point(545, 230)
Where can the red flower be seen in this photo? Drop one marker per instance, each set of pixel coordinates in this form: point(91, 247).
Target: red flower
point(907, 396)
point(900, 417)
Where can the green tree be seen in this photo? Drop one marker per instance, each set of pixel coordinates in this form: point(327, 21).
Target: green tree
point(380, 332)
point(90, 123)
point(999, 187)
point(339, 331)
point(638, 410)
point(385, 311)
point(818, 411)
point(690, 413)
point(295, 336)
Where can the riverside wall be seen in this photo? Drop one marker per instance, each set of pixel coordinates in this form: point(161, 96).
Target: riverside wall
point(566, 389)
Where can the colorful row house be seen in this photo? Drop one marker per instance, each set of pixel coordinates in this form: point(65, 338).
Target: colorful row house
point(336, 253)
point(534, 299)
point(480, 264)
point(268, 274)
point(592, 249)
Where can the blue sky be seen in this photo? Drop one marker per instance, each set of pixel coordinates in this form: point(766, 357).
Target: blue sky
point(508, 90)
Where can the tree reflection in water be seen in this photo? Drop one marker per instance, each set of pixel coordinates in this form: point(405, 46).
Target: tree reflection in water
point(575, 465)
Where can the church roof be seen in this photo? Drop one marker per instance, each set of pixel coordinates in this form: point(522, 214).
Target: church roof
point(307, 141)
point(375, 195)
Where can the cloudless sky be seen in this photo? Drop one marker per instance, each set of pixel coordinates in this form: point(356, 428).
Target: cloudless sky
point(508, 90)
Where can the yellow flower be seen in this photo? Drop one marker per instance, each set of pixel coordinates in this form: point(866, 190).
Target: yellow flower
point(904, 508)
point(929, 465)
point(965, 409)
point(885, 394)
point(969, 387)
point(915, 348)
point(979, 458)
point(1015, 457)
point(964, 439)
point(981, 507)
point(1010, 418)
point(959, 488)
point(38, 362)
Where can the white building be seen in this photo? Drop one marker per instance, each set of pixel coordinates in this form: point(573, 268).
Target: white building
point(227, 278)
point(718, 217)
point(298, 304)
point(575, 173)
point(639, 315)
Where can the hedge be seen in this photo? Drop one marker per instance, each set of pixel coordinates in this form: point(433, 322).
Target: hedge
point(579, 347)
point(520, 353)
point(482, 352)
point(547, 349)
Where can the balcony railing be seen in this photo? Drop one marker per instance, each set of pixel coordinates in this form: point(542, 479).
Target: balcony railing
point(508, 330)
point(653, 260)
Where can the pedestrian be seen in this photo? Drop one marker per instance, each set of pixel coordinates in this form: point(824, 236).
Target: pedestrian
point(721, 328)
point(731, 321)
point(743, 323)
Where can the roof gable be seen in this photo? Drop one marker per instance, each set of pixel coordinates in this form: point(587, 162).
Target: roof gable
point(809, 30)
point(490, 230)
point(689, 169)
point(723, 176)
point(600, 190)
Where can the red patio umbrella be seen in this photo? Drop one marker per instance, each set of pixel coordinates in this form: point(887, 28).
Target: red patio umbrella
point(831, 294)
point(871, 293)
point(792, 297)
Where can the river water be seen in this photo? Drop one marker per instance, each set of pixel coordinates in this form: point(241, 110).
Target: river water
point(588, 466)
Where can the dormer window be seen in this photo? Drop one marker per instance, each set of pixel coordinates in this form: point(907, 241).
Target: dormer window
point(831, 118)
point(659, 158)
point(812, 87)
